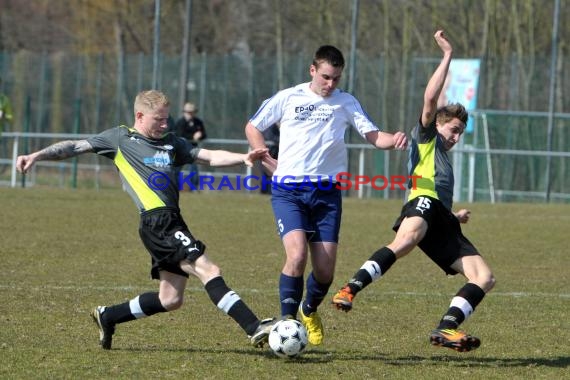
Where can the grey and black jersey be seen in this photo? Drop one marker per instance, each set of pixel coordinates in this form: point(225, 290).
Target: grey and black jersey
point(429, 160)
point(148, 168)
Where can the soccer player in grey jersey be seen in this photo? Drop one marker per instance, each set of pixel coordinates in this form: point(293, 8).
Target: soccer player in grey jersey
point(148, 161)
point(427, 220)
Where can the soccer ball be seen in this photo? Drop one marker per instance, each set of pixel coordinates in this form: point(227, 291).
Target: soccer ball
point(288, 338)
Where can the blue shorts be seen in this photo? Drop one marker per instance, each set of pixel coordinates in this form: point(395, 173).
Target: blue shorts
point(314, 209)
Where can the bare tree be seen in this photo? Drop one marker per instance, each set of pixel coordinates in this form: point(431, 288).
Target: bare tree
point(279, 43)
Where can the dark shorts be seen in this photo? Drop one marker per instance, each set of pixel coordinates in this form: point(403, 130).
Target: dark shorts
point(444, 242)
point(314, 209)
point(168, 240)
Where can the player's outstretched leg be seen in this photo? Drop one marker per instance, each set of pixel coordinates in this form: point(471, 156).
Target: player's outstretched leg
point(462, 306)
point(107, 317)
point(372, 269)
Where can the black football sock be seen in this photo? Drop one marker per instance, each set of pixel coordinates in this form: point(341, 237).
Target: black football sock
point(374, 268)
point(462, 306)
point(141, 306)
point(230, 303)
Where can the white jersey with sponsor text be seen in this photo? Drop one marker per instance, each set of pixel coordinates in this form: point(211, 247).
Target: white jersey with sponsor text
point(312, 130)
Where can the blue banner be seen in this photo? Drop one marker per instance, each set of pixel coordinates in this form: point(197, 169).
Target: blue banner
point(461, 86)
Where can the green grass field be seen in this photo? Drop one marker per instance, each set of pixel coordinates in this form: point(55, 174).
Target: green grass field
point(65, 251)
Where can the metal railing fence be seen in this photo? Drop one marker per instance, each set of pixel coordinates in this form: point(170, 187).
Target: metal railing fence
point(483, 173)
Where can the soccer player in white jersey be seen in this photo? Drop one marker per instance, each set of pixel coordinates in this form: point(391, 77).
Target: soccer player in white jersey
point(306, 201)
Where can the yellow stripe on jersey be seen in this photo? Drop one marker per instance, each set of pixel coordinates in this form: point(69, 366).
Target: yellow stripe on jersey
point(426, 169)
point(146, 196)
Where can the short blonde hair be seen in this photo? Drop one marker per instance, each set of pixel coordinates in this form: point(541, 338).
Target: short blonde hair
point(150, 100)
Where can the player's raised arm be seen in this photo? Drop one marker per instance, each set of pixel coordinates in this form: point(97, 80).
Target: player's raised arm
point(58, 151)
point(437, 80)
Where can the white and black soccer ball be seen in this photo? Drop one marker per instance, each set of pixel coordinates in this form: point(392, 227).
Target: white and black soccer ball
point(288, 338)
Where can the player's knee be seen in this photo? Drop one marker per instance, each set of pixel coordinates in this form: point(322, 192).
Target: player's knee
point(484, 279)
point(215, 271)
point(172, 302)
point(294, 267)
point(323, 276)
point(208, 269)
point(489, 282)
point(401, 247)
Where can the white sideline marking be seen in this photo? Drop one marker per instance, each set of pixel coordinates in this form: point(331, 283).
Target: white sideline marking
point(272, 291)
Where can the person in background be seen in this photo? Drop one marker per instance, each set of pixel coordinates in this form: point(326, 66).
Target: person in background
point(6, 118)
point(427, 220)
point(6, 115)
point(192, 128)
